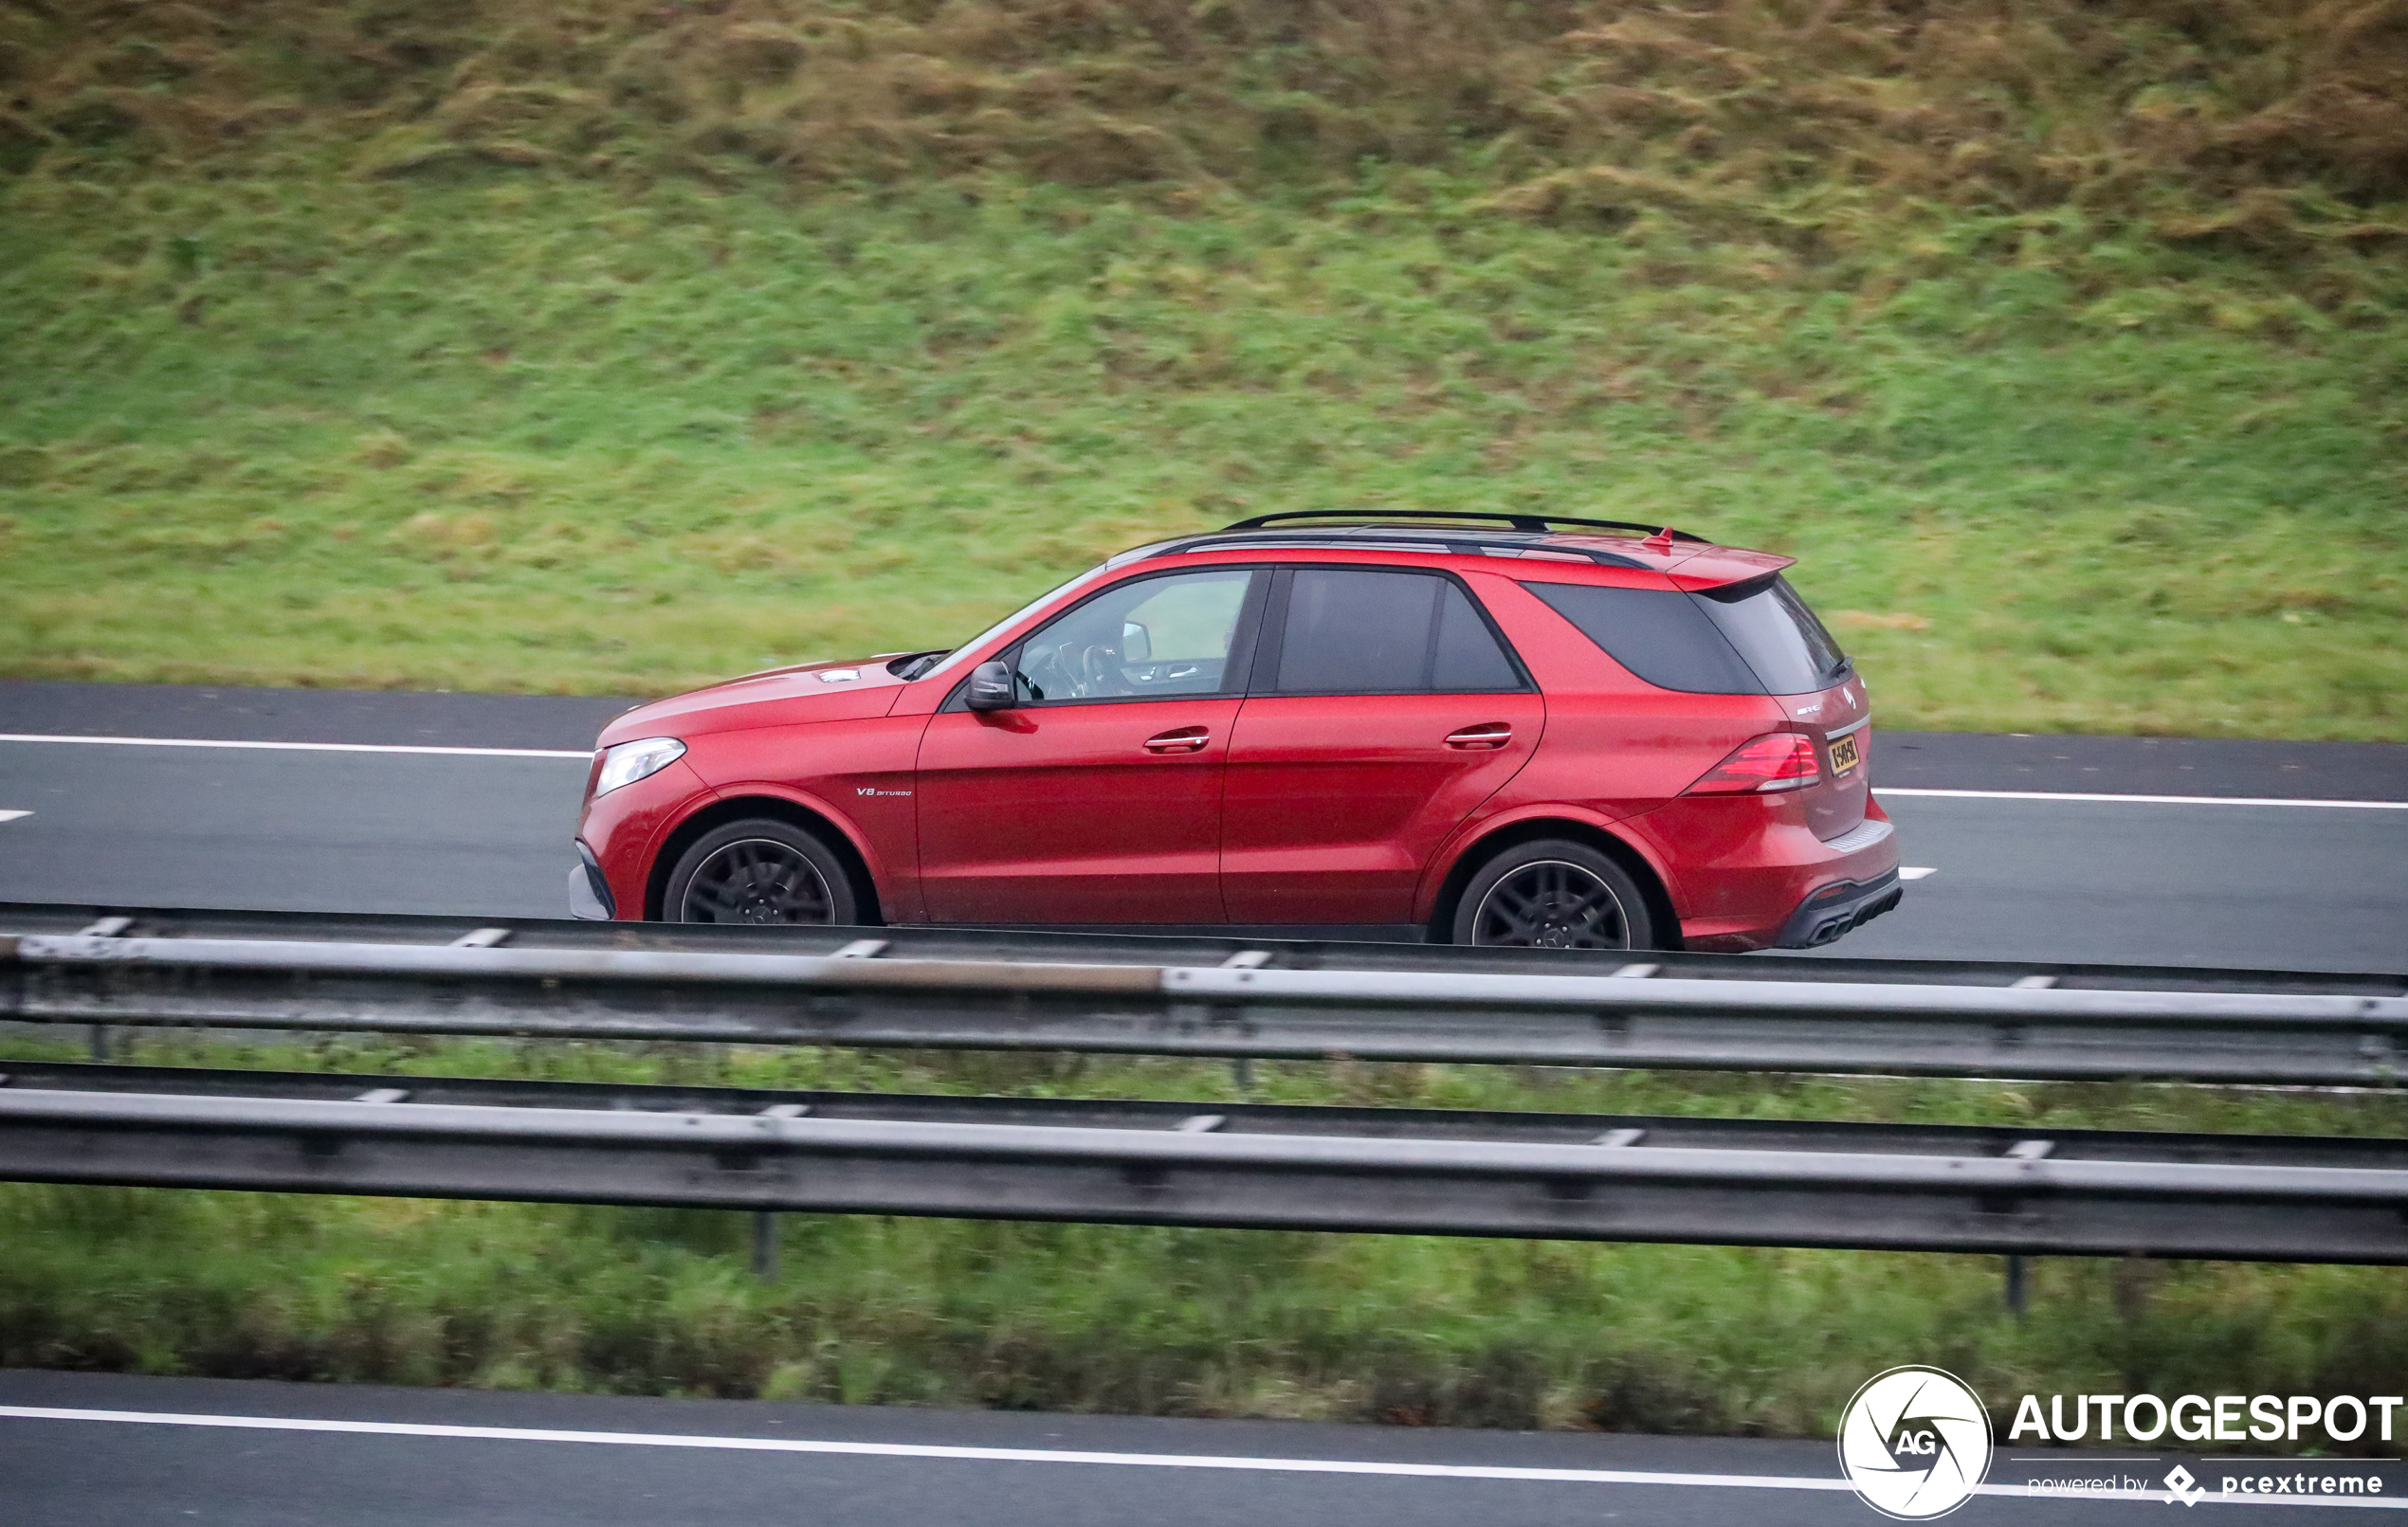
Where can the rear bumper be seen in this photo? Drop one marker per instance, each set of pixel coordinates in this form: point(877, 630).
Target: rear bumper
point(1836, 909)
point(1747, 873)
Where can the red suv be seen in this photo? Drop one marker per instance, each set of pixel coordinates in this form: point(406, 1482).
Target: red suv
point(1474, 729)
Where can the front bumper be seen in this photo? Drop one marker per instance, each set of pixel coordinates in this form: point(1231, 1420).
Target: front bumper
point(1836, 909)
point(589, 889)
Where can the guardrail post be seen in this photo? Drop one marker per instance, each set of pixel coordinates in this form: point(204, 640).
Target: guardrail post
point(104, 928)
point(2018, 1286)
point(765, 1246)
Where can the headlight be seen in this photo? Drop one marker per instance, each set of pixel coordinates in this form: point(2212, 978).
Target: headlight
point(631, 761)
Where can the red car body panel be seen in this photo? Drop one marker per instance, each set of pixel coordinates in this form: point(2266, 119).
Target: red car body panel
point(1334, 824)
point(626, 828)
point(1270, 807)
point(782, 697)
point(1066, 815)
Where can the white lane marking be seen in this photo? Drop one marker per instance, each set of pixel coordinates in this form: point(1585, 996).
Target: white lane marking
point(998, 1455)
point(12, 816)
point(1885, 793)
point(1916, 872)
point(1053, 1455)
point(301, 747)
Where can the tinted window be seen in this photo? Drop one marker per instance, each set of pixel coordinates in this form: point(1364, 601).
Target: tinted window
point(1465, 656)
point(1752, 638)
point(1777, 635)
point(1355, 631)
point(1659, 634)
point(1151, 636)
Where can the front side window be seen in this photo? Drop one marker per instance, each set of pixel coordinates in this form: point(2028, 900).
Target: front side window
point(1366, 631)
point(1150, 636)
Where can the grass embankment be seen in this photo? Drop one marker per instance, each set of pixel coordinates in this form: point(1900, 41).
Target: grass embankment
point(1197, 1322)
point(617, 347)
point(612, 346)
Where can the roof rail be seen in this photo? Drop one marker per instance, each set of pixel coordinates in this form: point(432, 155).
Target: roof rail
point(1541, 523)
point(1462, 540)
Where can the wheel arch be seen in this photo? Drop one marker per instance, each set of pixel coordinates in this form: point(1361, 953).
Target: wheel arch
point(1666, 923)
point(777, 808)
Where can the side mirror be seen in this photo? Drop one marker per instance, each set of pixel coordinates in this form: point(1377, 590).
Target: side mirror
point(1136, 643)
point(990, 687)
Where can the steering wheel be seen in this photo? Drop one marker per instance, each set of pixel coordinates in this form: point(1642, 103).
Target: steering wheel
point(1098, 671)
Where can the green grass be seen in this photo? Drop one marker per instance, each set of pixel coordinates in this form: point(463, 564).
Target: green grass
point(607, 346)
point(1168, 1321)
point(525, 435)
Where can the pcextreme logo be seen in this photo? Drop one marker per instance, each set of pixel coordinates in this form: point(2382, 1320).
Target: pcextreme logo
point(1915, 1443)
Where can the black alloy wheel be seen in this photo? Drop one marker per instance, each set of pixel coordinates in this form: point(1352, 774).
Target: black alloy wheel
point(1553, 895)
point(759, 873)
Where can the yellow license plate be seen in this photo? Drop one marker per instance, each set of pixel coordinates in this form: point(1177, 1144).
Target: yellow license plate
point(1843, 754)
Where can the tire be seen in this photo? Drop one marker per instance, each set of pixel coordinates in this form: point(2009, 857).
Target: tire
point(1553, 894)
point(760, 871)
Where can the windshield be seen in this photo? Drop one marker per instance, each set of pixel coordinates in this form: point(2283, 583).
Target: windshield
point(961, 654)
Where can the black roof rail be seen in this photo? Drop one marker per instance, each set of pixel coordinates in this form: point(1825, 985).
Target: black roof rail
point(1539, 523)
point(1463, 541)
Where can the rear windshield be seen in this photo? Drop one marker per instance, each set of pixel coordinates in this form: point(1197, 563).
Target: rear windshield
point(1752, 638)
point(1777, 635)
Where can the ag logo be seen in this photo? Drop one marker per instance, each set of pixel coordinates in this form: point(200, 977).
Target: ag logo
point(1914, 1442)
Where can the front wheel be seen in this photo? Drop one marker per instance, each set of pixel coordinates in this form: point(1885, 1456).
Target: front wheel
point(1553, 894)
point(760, 871)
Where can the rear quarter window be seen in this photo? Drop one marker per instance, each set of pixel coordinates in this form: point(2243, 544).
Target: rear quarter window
point(1755, 638)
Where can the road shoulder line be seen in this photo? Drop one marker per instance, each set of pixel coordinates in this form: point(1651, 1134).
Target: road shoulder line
point(299, 747)
point(1883, 792)
point(1048, 1455)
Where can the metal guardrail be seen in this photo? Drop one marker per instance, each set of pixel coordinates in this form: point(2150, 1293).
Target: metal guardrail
point(1195, 946)
point(951, 989)
point(1619, 1179)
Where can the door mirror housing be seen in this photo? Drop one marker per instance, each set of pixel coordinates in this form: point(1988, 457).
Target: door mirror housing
point(1136, 643)
point(990, 687)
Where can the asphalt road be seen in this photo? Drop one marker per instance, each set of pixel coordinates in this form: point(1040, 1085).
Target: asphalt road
point(704, 1463)
point(2019, 871)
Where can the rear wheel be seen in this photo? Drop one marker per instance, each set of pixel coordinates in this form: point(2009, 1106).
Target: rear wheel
point(760, 871)
point(1553, 894)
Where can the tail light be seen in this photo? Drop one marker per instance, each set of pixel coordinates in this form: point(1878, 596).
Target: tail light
point(1783, 760)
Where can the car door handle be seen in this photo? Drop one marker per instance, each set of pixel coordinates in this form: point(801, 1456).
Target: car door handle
point(1486, 734)
point(1183, 739)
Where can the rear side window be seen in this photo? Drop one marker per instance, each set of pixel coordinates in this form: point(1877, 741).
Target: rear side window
point(1754, 638)
point(1361, 631)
